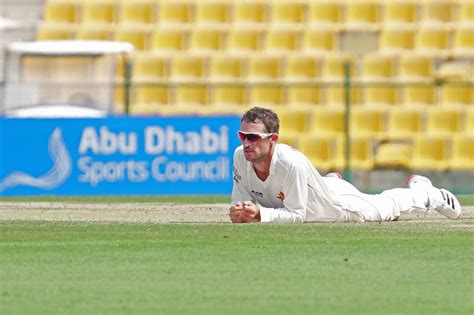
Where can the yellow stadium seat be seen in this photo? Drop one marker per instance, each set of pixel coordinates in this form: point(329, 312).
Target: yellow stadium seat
point(192, 94)
point(169, 40)
point(294, 120)
point(148, 67)
point(101, 12)
point(264, 68)
point(431, 152)
point(265, 94)
point(379, 66)
point(213, 12)
point(362, 153)
point(227, 68)
point(150, 95)
point(54, 32)
point(466, 12)
point(463, 152)
point(369, 122)
point(419, 94)
point(207, 39)
point(393, 155)
point(377, 94)
point(464, 41)
point(325, 152)
point(300, 94)
point(470, 121)
point(362, 15)
point(405, 123)
point(282, 40)
point(319, 40)
point(244, 40)
point(328, 121)
point(333, 66)
point(225, 94)
point(457, 93)
point(335, 95)
point(137, 12)
point(326, 14)
point(302, 68)
point(61, 12)
point(400, 13)
point(185, 67)
point(139, 37)
point(416, 67)
point(438, 11)
point(290, 140)
point(445, 120)
point(396, 40)
point(251, 14)
point(176, 13)
point(433, 40)
point(286, 13)
point(88, 32)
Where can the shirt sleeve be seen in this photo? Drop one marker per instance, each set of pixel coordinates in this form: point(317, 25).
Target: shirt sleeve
point(295, 187)
point(239, 190)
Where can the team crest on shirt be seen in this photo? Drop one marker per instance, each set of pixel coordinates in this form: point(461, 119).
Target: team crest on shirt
point(281, 196)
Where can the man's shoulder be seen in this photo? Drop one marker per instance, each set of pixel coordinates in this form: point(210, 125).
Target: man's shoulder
point(288, 154)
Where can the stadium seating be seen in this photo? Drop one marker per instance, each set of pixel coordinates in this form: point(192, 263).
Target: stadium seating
point(222, 56)
point(167, 40)
point(175, 13)
point(362, 153)
point(393, 155)
point(251, 14)
point(369, 122)
point(326, 14)
point(319, 40)
point(362, 15)
point(400, 13)
point(405, 123)
point(188, 68)
point(229, 94)
point(445, 120)
point(223, 68)
point(430, 152)
point(137, 12)
point(328, 121)
point(324, 151)
point(207, 40)
point(463, 152)
point(282, 41)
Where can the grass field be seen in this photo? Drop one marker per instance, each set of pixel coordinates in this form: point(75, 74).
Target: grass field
point(405, 267)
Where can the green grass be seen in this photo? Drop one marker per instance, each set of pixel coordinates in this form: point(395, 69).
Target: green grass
point(370, 268)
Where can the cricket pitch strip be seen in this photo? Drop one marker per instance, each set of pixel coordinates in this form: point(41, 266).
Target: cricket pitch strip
point(161, 213)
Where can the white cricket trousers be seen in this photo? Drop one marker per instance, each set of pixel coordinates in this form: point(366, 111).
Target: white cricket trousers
point(386, 206)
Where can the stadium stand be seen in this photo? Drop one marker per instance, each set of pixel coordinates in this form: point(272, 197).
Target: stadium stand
point(410, 97)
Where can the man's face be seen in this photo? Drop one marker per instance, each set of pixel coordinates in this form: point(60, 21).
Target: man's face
point(255, 151)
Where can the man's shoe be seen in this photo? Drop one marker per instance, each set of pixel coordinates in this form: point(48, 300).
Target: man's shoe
point(440, 200)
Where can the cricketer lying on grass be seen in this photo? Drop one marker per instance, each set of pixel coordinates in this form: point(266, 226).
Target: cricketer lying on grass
point(276, 183)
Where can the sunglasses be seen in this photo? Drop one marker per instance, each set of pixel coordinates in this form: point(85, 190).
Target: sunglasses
point(253, 136)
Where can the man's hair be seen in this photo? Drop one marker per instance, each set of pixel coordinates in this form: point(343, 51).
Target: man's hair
point(266, 116)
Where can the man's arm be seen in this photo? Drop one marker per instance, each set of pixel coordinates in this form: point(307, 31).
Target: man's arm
point(295, 188)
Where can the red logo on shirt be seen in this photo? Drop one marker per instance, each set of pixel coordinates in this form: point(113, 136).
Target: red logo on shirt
point(281, 196)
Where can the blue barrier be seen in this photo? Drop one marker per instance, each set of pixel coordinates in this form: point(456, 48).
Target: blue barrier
point(117, 155)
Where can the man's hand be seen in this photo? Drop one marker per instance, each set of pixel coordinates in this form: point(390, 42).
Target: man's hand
point(244, 212)
point(235, 212)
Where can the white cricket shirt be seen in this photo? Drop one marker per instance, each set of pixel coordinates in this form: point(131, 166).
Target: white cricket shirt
point(293, 192)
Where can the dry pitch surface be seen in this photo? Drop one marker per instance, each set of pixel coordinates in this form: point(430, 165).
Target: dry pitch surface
point(157, 213)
